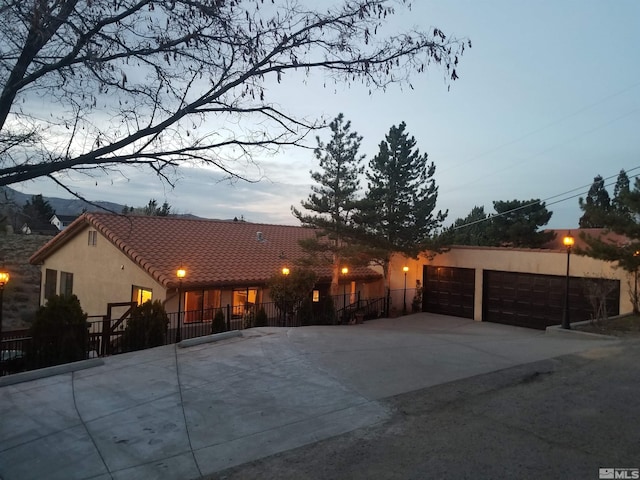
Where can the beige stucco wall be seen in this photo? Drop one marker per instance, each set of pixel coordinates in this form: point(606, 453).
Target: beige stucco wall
point(101, 273)
point(546, 262)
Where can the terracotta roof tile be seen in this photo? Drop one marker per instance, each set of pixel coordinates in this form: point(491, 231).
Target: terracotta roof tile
point(213, 252)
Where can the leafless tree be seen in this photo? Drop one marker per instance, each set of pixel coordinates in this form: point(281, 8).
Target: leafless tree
point(95, 85)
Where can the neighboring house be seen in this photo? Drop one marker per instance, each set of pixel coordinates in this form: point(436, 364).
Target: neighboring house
point(105, 258)
point(62, 221)
point(516, 286)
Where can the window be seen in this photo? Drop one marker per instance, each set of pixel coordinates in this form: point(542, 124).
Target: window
point(50, 283)
point(316, 295)
point(243, 300)
point(201, 305)
point(140, 294)
point(93, 238)
point(66, 284)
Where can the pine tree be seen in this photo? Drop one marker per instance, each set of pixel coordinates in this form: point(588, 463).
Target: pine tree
point(620, 192)
point(595, 205)
point(334, 197)
point(397, 214)
point(517, 223)
point(470, 230)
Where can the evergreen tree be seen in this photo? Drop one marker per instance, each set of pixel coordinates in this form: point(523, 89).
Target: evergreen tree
point(471, 230)
point(595, 206)
point(517, 223)
point(620, 192)
point(397, 213)
point(38, 209)
point(333, 198)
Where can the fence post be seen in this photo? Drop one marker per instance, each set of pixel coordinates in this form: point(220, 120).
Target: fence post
point(105, 344)
point(388, 303)
point(228, 317)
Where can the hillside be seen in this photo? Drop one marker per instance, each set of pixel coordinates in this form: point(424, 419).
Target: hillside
point(21, 294)
point(62, 206)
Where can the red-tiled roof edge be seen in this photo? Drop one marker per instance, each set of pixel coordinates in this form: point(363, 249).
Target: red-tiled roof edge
point(59, 240)
point(128, 251)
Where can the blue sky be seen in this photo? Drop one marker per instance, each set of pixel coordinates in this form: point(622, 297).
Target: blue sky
point(549, 97)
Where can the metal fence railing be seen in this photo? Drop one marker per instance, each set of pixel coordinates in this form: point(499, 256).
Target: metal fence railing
point(112, 334)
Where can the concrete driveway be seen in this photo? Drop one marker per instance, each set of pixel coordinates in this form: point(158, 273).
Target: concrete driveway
point(180, 413)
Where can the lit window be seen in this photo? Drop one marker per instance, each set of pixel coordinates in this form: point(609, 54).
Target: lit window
point(93, 238)
point(244, 300)
point(316, 295)
point(141, 294)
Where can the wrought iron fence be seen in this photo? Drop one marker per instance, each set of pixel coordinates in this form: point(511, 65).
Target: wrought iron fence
point(105, 335)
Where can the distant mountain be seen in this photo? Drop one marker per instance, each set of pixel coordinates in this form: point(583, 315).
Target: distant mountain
point(62, 206)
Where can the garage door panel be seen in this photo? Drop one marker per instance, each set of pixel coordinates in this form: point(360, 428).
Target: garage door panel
point(537, 301)
point(449, 291)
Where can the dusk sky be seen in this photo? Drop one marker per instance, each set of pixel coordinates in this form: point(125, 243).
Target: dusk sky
point(548, 97)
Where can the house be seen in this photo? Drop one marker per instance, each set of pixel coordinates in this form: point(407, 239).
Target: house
point(105, 258)
point(62, 221)
point(516, 286)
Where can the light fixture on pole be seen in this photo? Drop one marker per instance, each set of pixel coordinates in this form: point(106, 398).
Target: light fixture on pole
point(4, 279)
point(405, 269)
point(568, 242)
point(181, 273)
point(345, 271)
point(285, 274)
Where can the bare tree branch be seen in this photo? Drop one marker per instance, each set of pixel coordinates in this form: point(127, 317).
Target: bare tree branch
point(156, 83)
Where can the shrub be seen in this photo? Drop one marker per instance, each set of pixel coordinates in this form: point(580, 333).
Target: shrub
point(218, 325)
point(416, 303)
point(261, 318)
point(147, 326)
point(327, 312)
point(60, 332)
point(305, 312)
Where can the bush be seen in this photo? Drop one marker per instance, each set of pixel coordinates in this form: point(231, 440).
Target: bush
point(305, 312)
point(416, 303)
point(218, 325)
point(327, 312)
point(261, 318)
point(147, 326)
point(60, 332)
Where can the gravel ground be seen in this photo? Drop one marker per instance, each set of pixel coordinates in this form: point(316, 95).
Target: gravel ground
point(560, 418)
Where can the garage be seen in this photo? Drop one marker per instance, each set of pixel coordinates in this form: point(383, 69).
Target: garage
point(449, 290)
point(537, 301)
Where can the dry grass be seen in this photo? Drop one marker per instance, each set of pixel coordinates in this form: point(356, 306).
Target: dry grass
point(628, 325)
point(21, 295)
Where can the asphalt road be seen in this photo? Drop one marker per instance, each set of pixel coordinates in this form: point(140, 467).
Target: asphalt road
point(565, 417)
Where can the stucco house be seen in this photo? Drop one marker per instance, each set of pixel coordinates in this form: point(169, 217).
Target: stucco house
point(104, 258)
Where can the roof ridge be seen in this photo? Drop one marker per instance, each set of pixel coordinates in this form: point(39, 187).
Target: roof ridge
point(198, 219)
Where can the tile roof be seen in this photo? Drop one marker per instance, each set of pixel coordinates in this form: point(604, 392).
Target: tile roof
point(213, 252)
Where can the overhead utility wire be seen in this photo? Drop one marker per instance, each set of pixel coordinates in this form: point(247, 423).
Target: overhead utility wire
point(538, 130)
point(580, 189)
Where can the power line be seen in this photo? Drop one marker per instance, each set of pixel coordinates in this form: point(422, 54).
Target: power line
point(580, 189)
point(545, 127)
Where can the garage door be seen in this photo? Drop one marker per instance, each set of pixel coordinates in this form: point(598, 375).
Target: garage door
point(449, 290)
point(537, 301)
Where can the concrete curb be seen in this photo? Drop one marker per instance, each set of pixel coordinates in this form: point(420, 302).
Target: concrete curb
point(216, 337)
point(558, 331)
point(50, 371)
